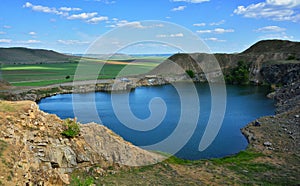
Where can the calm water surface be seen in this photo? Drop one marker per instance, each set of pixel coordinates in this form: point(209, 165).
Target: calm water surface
point(244, 104)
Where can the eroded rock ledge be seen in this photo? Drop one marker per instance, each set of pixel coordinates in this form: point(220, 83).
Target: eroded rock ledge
point(37, 153)
point(279, 133)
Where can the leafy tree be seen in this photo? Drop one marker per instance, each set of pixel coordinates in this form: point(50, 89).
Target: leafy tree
point(238, 75)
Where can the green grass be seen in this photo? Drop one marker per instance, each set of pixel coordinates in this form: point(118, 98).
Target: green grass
point(47, 74)
point(242, 156)
point(33, 73)
point(42, 83)
point(252, 172)
point(244, 165)
point(77, 181)
point(175, 160)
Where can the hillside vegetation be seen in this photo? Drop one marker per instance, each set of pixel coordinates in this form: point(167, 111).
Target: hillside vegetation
point(20, 55)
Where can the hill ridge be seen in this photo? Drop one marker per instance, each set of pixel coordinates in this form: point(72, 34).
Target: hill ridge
point(22, 55)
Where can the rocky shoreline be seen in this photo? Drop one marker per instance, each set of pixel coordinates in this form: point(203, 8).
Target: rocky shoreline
point(109, 85)
point(38, 154)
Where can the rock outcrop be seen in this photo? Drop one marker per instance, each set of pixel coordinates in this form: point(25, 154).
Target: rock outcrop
point(281, 74)
point(288, 97)
point(36, 153)
point(262, 59)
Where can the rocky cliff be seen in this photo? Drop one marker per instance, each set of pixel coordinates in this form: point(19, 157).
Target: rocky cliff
point(34, 152)
point(259, 57)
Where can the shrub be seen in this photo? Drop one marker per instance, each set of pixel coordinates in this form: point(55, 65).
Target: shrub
point(72, 128)
point(190, 73)
point(291, 58)
point(239, 75)
point(82, 182)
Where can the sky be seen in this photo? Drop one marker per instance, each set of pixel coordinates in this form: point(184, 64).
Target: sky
point(71, 26)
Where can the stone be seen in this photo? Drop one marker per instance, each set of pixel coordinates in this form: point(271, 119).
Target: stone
point(257, 123)
point(22, 116)
point(267, 144)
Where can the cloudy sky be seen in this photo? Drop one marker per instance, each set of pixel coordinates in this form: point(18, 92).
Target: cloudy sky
point(70, 26)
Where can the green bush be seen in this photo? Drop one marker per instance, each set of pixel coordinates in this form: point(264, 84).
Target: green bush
point(72, 128)
point(291, 58)
point(76, 181)
point(238, 75)
point(190, 73)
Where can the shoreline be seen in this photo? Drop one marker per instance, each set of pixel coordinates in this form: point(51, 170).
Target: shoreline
point(270, 139)
point(106, 86)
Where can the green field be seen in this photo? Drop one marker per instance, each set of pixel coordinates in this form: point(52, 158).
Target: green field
point(56, 73)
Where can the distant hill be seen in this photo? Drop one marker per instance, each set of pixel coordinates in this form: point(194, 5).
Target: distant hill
point(259, 55)
point(19, 55)
point(274, 46)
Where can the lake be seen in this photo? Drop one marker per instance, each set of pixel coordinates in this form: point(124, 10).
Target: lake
point(244, 104)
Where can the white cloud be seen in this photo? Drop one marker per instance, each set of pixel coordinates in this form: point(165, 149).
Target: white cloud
point(204, 31)
point(5, 40)
point(82, 16)
point(211, 24)
point(191, 1)
point(44, 9)
point(286, 3)
point(7, 26)
point(215, 31)
point(95, 20)
point(2, 33)
point(281, 35)
point(31, 41)
point(214, 39)
point(65, 12)
point(32, 33)
point(68, 9)
point(270, 29)
point(179, 8)
point(170, 35)
point(222, 30)
point(103, 1)
point(72, 42)
point(217, 23)
point(199, 24)
point(277, 10)
point(134, 24)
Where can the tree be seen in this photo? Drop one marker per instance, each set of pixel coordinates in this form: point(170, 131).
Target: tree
point(238, 75)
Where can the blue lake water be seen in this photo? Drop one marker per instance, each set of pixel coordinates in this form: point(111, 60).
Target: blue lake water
point(244, 104)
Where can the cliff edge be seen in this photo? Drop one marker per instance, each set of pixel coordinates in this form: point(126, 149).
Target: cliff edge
point(33, 150)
